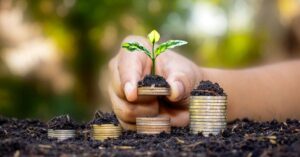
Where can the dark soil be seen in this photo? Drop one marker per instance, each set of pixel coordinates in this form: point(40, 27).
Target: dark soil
point(207, 88)
point(153, 80)
point(62, 122)
point(241, 138)
point(104, 118)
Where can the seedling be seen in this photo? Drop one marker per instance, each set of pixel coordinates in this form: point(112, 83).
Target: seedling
point(153, 84)
point(153, 38)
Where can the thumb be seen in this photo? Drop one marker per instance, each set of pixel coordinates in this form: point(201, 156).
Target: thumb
point(178, 85)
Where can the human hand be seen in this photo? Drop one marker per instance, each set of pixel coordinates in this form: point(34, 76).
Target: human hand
point(128, 68)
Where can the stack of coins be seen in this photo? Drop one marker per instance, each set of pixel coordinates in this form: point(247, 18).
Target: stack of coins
point(207, 114)
point(105, 131)
point(153, 125)
point(153, 91)
point(61, 134)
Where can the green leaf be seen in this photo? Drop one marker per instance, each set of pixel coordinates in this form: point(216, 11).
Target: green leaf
point(135, 46)
point(153, 36)
point(168, 45)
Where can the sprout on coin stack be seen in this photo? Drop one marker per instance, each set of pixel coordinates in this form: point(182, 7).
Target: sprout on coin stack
point(153, 125)
point(62, 128)
point(208, 104)
point(104, 126)
point(153, 84)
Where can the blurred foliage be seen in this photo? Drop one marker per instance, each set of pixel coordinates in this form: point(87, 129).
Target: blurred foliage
point(88, 33)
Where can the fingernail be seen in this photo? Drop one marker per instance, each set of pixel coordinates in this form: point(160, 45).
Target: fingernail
point(128, 88)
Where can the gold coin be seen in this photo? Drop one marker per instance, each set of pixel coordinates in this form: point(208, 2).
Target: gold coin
point(152, 129)
point(208, 120)
point(208, 112)
point(153, 123)
point(206, 104)
point(153, 91)
point(158, 118)
point(197, 101)
point(206, 116)
point(105, 125)
point(207, 127)
point(207, 108)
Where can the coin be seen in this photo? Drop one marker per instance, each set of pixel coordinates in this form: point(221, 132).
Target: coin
point(206, 104)
point(208, 122)
point(208, 112)
point(208, 108)
point(153, 125)
point(198, 116)
point(104, 131)
point(206, 126)
point(153, 91)
point(157, 118)
point(61, 134)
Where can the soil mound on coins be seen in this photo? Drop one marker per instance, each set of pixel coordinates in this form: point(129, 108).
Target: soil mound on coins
point(104, 118)
point(153, 80)
point(241, 138)
point(62, 122)
point(207, 88)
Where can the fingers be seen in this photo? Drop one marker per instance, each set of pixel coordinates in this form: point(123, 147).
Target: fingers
point(181, 77)
point(127, 126)
point(115, 81)
point(179, 118)
point(178, 83)
point(132, 67)
point(127, 112)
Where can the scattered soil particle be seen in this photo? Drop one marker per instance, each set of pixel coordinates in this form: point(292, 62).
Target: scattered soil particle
point(153, 80)
point(207, 88)
point(240, 138)
point(104, 118)
point(62, 122)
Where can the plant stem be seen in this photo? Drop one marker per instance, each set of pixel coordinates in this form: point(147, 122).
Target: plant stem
point(153, 60)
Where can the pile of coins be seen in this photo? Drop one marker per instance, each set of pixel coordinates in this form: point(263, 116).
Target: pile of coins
point(207, 114)
point(153, 125)
point(61, 134)
point(105, 131)
point(153, 91)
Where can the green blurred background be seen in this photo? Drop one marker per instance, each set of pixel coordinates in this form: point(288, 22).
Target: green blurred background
point(54, 53)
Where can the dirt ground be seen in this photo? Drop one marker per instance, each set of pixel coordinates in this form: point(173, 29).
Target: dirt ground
point(241, 138)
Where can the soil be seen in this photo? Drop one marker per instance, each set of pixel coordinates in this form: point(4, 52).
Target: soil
point(104, 118)
point(207, 88)
point(62, 122)
point(241, 138)
point(153, 80)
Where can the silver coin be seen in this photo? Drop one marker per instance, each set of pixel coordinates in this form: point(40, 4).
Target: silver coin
point(207, 127)
point(206, 104)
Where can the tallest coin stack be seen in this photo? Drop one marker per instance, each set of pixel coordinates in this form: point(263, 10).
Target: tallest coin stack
point(207, 114)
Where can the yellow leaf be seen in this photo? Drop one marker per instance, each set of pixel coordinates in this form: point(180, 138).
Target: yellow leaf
point(153, 36)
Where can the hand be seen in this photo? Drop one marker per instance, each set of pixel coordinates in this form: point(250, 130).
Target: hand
point(128, 68)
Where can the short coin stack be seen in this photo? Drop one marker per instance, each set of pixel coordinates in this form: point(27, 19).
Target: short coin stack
point(105, 131)
point(153, 125)
point(153, 91)
point(207, 114)
point(61, 134)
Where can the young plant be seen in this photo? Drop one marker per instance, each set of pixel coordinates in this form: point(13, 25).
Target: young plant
point(153, 38)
